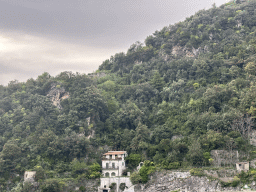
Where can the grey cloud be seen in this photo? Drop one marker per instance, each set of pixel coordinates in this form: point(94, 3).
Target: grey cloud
point(31, 55)
point(77, 35)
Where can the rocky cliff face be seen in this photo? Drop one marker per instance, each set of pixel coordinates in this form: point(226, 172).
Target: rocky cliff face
point(57, 94)
point(192, 52)
point(171, 181)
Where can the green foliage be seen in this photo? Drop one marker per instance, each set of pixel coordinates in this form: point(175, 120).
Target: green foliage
point(235, 183)
point(196, 172)
point(40, 174)
point(112, 187)
point(52, 185)
point(157, 81)
point(245, 177)
point(147, 168)
point(174, 165)
point(122, 186)
point(82, 188)
point(250, 68)
point(133, 160)
point(135, 178)
point(225, 184)
point(170, 100)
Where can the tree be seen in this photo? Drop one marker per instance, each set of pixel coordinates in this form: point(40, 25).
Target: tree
point(141, 136)
point(90, 103)
point(244, 126)
point(250, 68)
point(230, 145)
point(133, 160)
point(157, 81)
point(195, 153)
point(147, 168)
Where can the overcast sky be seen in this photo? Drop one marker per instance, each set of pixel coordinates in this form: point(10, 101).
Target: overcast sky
point(52, 36)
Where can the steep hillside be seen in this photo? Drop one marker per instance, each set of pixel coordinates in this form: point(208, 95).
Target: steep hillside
point(188, 90)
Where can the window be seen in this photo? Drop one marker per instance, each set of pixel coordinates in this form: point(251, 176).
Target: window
point(113, 174)
point(110, 156)
point(107, 174)
point(122, 163)
point(113, 165)
point(107, 165)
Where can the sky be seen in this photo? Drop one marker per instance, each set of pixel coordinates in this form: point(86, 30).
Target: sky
point(53, 36)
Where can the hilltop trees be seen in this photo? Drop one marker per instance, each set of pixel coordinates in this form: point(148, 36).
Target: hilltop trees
point(189, 89)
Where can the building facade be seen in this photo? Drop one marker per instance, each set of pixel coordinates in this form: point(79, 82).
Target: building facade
point(113, 165)
point(243, 166)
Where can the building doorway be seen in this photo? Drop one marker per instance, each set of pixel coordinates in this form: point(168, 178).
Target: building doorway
point(104, 190)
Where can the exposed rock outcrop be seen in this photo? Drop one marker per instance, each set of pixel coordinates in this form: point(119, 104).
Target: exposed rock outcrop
point(97, 75)
point(57, 94)
point(179, 51)
point(183, 181)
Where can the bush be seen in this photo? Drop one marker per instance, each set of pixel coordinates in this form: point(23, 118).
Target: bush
point(40, 174)
point(235, 183)
point(133, 160)
point(196, 172)
point(52, 185)
point(147, 168)
point(82, 188)
point(174, 165)
point(225, 184)
point(122, 186)
point(113, 187)
point(135, 178)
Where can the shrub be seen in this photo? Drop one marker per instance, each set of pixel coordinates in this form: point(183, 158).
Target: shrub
point(174, 165)
point(122, 186)
point(235, 183)
point(112, 186)
point(135, 178)
point(225, 184)
point(147, 168)
point(82, 188)
point(196, 172)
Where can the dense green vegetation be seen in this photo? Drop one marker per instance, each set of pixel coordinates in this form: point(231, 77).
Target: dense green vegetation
point(189, 89)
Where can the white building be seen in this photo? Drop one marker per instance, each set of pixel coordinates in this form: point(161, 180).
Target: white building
point(113, 165)
point(242, 166)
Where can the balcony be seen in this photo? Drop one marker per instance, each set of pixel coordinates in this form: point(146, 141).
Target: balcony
point(115, 158)
point(110, 168)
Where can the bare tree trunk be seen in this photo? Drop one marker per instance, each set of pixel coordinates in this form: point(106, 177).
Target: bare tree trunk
point(243, 125)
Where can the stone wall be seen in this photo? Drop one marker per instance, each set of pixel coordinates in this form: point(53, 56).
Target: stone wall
point(106, 182)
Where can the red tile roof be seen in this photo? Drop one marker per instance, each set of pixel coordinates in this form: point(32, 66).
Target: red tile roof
point(115, 153)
